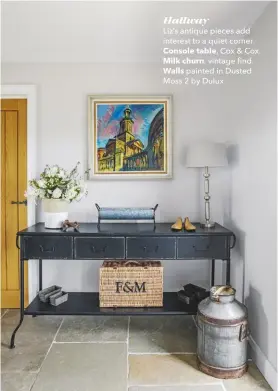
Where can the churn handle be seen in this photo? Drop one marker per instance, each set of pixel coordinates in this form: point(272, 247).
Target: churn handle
point(243, 331)
point(220, 290)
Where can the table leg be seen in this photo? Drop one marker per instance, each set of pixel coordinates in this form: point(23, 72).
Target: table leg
point(12, 345)
point(228, 272)
point(40, 274)
point(40, 279)
point(212, 272)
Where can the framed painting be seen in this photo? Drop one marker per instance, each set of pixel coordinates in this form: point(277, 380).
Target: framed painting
point(130, 137)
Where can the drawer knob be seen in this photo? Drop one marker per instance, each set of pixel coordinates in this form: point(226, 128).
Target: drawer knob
point(100, 250)
point(145, 248)
point(201, 249)
point(44, 250)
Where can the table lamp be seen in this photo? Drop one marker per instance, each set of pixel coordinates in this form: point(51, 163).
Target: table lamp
point(206, 155)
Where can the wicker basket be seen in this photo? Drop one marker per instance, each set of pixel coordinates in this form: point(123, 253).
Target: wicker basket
point(131, 284)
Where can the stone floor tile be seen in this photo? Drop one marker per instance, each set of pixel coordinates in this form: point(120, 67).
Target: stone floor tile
point(253, 380)
point(170, 334)
point(32, 341)
point(84, 367)
point(166, 369)
point(20, 381)
point(93, 329)
point(208, 387)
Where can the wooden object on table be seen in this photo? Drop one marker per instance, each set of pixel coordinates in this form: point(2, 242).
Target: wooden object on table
point(177, 226)
point(67, 224)
point(188, 226)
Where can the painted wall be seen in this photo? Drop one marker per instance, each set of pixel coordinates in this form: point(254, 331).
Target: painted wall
point(198, 113)
point(251, 197)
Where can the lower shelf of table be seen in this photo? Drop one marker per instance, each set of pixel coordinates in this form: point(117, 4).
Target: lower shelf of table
point(88, 304)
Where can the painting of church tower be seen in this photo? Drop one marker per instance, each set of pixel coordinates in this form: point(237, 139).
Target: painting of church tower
point(130, 138)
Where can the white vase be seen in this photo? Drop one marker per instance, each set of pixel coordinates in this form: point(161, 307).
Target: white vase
point(55, 213)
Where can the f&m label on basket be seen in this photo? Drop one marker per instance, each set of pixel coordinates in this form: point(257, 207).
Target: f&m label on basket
point(129, 287)
point(131, 284)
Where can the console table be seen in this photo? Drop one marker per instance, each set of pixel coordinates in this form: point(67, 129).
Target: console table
point(118, 241)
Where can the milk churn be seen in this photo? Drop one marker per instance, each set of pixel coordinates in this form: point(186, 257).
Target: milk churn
point(222, 334)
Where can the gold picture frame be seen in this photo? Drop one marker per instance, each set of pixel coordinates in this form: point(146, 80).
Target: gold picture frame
point(130, 137)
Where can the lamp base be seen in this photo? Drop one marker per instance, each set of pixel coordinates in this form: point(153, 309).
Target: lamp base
point(207, 224)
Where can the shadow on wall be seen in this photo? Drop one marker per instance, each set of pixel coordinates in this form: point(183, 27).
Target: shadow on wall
point(238, 253)
point(238, 266)
point(256, 316)
point(257, 319)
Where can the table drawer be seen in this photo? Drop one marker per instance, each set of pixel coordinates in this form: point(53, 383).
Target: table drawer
point(48, 247)
point(151, 248)
point(202, 247)
point(99, 248)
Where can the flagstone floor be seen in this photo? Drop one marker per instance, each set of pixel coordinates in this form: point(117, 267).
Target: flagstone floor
point(108, 354)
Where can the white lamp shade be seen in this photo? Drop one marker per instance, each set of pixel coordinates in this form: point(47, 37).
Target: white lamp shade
point(206, 155)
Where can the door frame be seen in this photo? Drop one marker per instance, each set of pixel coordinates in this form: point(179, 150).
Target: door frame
point(29, 92)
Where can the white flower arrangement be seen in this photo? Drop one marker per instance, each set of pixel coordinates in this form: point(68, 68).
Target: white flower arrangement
point(57, 183)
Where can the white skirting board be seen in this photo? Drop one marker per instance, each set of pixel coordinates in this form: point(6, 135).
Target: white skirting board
point(263, 364)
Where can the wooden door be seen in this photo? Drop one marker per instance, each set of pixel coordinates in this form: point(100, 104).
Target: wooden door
point(13, 185)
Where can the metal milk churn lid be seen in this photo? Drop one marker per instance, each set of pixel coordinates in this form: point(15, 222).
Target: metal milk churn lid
point(222, 334)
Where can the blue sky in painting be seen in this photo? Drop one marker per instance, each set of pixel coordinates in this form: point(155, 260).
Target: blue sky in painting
point(109, 116)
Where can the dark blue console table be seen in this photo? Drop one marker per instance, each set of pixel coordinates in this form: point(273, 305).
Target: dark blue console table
point(118, 241)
